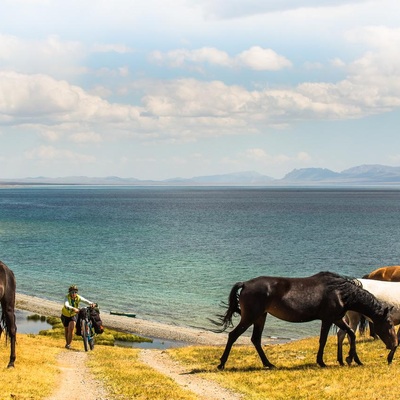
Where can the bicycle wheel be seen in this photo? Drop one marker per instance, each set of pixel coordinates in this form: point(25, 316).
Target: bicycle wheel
point(84, 331)
point(91, 335)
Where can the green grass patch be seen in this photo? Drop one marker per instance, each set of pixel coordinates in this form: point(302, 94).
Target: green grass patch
point(107, 338)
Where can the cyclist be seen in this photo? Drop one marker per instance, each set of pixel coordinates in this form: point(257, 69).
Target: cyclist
point(69, 313)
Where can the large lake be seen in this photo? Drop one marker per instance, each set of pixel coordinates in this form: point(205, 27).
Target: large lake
point(172, 254)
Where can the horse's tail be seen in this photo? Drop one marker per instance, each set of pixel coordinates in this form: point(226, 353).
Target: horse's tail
point(225, 320)
point(3, 325)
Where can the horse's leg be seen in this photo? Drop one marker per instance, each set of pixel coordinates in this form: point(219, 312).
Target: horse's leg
point(352, 339)
point(351, 320)
point(340, 337)
point(372, 330)
point(11, 330)
point(391, 353)
point(258, 328)
point(325, 326)
point(232, 337)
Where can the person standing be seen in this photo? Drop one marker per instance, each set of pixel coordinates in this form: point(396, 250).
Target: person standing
point(69, 313)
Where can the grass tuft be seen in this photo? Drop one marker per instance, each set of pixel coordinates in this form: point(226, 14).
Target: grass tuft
point(107, 338)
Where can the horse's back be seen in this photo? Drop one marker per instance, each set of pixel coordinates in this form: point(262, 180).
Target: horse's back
point(291, 299)
point(390, 273)
point(383, 290)
point(7, 282)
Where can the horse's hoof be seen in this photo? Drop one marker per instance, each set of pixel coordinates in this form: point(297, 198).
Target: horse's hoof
point(322, 364)
point(221, 367)
point(349, 360)
point(341, 363)
point(10, 365)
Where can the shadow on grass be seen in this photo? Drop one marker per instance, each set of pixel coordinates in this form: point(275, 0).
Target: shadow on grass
point(302, 367)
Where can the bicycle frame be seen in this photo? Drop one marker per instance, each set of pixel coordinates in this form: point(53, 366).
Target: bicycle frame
point(87, 330)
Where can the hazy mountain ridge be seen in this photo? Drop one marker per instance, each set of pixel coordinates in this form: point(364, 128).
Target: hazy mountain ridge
point(359, 175)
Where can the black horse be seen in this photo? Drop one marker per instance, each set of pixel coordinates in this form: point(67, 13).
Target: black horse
point(7, 300)
point(325, 296)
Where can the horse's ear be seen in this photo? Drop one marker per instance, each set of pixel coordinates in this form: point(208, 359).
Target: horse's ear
point(388, 310)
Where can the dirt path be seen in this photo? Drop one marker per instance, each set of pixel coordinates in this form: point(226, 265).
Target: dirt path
point(76, 382)
point(205, 389)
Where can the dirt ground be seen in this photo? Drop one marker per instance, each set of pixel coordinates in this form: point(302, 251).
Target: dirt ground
point(75, 374)
point(75, 379)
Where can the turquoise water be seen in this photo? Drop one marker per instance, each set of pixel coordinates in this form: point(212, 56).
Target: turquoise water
point(173, 254)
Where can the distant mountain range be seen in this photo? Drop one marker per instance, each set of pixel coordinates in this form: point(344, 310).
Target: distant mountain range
point(360, 175)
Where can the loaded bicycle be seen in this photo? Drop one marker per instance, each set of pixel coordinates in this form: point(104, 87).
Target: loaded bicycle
point(90, 324)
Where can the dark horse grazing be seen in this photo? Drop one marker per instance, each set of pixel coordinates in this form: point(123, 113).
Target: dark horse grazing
point(389, 273)
point(325, 296)
point(7, 300)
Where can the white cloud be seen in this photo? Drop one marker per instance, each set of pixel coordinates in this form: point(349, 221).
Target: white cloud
point(50, 153)
point(260, 59)
point(85, 137)
point(188, 109)
point(51, 55)
point(106, 48)
point(238, 8)
point(261, 156)
point(26, 98)
point(255, 58)
point(181, 57)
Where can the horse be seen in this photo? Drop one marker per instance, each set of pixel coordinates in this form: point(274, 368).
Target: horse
point(388, 273)
point(325, 296)
point(7, 300)
point(388, 292)
point(391, 273)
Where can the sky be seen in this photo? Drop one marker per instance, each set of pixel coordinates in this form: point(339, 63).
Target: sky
point(161, 89)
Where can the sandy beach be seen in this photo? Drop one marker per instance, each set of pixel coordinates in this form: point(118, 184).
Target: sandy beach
point(137, 326)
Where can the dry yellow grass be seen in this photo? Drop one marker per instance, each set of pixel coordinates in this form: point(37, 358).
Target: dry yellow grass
point(35, 373)
point(297, 375)
point(127, 378)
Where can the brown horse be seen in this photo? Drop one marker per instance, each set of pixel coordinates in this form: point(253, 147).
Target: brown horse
point(325, 296)
point(391, 274)
point(7, 300)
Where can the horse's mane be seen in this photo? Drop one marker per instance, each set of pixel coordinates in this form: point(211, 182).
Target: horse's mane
point(352, 291)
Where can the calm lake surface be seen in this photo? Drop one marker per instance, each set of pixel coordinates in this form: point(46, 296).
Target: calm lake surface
point(172, 254)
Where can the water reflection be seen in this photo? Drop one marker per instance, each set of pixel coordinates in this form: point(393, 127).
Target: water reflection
point(25, 325)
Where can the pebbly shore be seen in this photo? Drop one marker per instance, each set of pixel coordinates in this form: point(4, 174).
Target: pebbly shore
point(149, 329)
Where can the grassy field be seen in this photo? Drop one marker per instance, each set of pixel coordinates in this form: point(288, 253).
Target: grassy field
point(296, 377)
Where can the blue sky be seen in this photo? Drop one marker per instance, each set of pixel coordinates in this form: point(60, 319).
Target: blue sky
point(156, 90)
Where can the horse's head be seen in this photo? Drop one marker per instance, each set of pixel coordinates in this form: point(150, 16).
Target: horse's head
point(385, 330)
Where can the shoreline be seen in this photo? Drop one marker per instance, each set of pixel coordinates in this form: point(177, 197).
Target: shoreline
point(141, 327)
